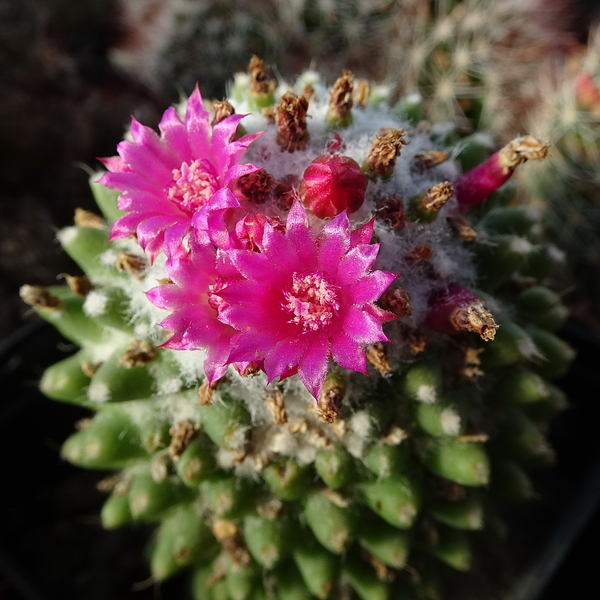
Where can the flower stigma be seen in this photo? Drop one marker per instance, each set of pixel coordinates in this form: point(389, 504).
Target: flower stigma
point(193, 185)
point(313, 299)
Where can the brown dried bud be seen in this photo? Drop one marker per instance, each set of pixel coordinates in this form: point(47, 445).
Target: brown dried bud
point(260, 81)
point(39, 297)
point(419, 255)
point(182, 433)
point(254, 187)
point(340, 100)
point(275, 404)
point(330, 399)
point(290, 117)
point(397, 300)
point(232, 541)
point(285, 191)
point(393, 436)
point(475, 317)
point(206, 391)
point(520, 150)
point(270, 508)
point(309, 92)
point(133, 264)
point(223, 529)
point(392, 212)
point(85, 218)
point(361, 92)
point(222, 109)
point(108, 484)
point(89, 368)
point(384, 150)
point(335, 497)
point(269, 114)
point(470, 369)
point(140, 352)
point(434, 198)
point(79, 284)
point(382, 571)
point(165, 281)
point(431, 159)
point(417, 341)
point(462, 228)
point(376, 354)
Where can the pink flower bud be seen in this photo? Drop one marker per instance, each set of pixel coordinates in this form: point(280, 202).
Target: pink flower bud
point(332, 184)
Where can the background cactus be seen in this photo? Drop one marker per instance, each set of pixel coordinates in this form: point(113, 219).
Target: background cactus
point(261, 489)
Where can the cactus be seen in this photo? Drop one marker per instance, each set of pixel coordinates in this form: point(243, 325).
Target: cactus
point(316, 351)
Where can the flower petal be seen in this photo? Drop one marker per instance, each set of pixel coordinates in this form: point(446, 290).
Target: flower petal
point(312, 369)
point(348, 353)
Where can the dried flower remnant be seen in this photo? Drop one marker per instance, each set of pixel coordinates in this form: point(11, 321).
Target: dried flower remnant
point(459, 309)
point(392, 212)
point(79, 284)
point(339, 113)
point(431, 159)
point(164, 181)
point(384, 151)
point(182, 433)
point(206, 392)
point(377, 356)
point(397, 300)
point(85, 218)
point(285, 191)
point(427, 205)
point(39, 297)
point(420, 255)
point(361, 92)
point(254, 187)
point(290, 118)
point(462, 228)
point(474, 186)
point(330, 399)
point(221, 110)
point(133, 264)
point(259, 78)
point(139, 352)
point(275, 403)
point(417, 341)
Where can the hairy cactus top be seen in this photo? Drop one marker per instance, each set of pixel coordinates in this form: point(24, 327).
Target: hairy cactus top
point(306, 318)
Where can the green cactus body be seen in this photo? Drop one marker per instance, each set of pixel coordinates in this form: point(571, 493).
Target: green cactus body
point(258, 489)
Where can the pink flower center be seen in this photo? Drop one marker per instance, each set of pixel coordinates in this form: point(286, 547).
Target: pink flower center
point(193, 185)
point(313, 299)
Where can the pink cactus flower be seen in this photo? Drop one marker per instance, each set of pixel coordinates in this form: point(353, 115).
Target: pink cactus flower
point(303, 300)
point(165, 180)
point(332, 184)
point(192, 298)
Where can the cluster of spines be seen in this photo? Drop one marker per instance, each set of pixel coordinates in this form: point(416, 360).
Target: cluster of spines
point(349, 520)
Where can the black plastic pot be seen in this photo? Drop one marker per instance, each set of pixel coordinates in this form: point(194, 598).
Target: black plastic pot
point(52, 545)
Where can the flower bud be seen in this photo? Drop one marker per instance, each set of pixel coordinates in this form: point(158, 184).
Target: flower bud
point(332, 184)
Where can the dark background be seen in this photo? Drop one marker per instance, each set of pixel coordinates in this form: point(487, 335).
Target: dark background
point(63, 103)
